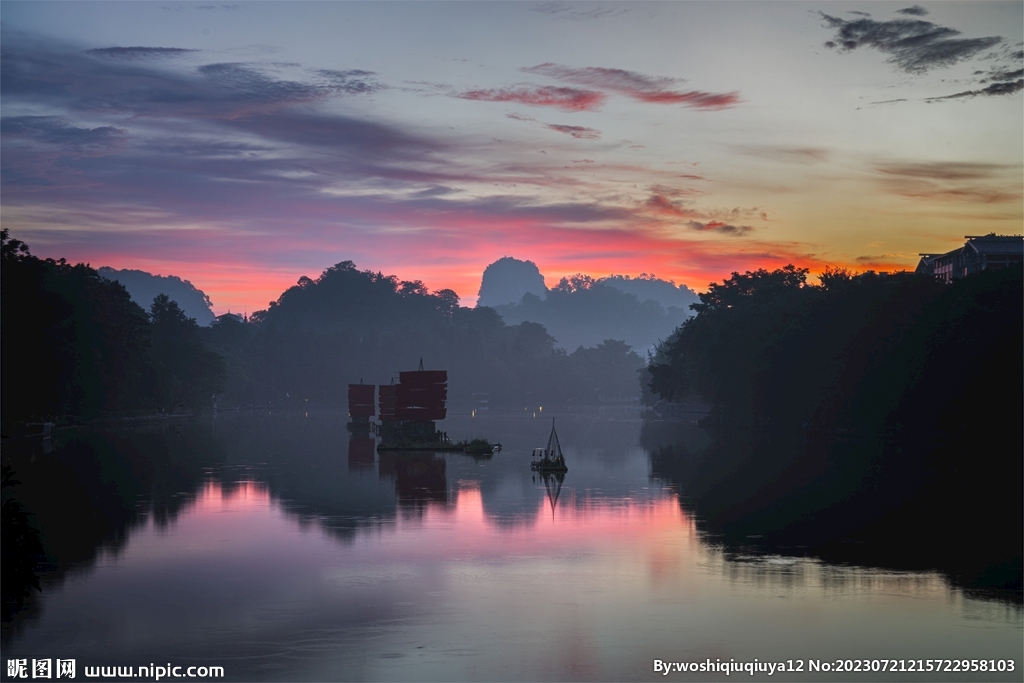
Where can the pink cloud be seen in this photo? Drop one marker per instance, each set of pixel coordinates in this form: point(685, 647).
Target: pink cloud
point(654, 89)
point(661, 205)
point(567, 99)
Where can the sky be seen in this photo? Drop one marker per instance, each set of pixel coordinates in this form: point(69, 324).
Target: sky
point(241, 146)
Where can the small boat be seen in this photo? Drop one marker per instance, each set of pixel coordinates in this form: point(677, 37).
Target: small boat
point(549, 459)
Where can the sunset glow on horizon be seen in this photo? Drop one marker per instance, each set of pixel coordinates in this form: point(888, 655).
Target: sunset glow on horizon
point(241, 146)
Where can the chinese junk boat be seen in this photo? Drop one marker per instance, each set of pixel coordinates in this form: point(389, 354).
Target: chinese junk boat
point(549, 459)
point(360, 407)
point(408, 412)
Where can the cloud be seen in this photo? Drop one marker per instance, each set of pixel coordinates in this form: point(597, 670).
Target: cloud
point(124, 81)
point(187, 139)
point(660, 205)
point(352, 81)
point(39, 151)
point(952, 181)
point(913, 45)
point(567, 99)
point(573, 11)
point(943, 170)
point(1006, 75)
point(138, 52)
point(639, 86)
point(717, 226)
point(914, 11)
point(146, 88)
point(785, 153)
point(243, 84)
point(58, 131)
point(994, 89)
point(578, 132)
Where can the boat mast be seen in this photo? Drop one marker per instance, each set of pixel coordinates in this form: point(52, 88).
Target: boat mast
point(554, 448)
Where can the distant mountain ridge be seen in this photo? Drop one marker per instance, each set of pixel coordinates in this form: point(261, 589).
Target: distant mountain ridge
point(649, 288)
point(583, 311)
point(143, 287)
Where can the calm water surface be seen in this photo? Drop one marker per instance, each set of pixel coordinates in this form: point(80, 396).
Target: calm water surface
point(278, 548)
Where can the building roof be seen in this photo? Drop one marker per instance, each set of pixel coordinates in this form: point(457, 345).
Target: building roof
point(993, 244)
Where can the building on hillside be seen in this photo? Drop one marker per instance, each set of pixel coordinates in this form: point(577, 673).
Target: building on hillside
point(231, 317)
point(980, 252)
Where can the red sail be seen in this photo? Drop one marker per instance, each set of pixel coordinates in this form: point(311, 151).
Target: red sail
point(421, 378)
point(360, 400)
point(421, 395)
point(387, 402)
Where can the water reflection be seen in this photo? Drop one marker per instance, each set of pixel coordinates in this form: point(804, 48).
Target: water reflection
point(361, 451)
point(283, 549)
point(552, 484)
point(864, 499)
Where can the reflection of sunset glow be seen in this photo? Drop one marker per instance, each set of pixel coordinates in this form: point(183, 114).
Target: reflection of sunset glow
point(220, 517)
point(214, 497)
point(654, 532)
point(592, 588)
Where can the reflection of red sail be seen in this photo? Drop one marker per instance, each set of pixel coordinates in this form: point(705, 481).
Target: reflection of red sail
point(360, 454)
point(360, 400)
point(387, 402)
point(419, 477)
point(421, 395)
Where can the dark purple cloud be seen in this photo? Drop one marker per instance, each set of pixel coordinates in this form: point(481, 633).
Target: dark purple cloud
point(87, 83)
point(191, 140)
point(351, 81)
point(579, 132)
point(645, 88)
point(138, 52)
point(58, 131)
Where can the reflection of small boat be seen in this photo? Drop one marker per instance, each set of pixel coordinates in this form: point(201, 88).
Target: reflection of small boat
point(549, 459)
point(553, 485)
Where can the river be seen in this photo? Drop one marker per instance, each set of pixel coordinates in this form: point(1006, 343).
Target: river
point(279, 548)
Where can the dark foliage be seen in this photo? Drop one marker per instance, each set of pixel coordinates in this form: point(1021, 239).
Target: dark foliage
point(73, 342)
point(188, 373)
point(350, 325)
point(21, 551)
point(859, 409)
point(75, 345)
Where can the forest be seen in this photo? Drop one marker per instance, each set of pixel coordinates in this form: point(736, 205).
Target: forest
point(872, 407)
point(76, 346)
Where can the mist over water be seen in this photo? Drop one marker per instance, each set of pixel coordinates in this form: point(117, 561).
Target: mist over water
point(279, 547)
